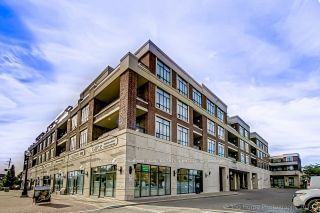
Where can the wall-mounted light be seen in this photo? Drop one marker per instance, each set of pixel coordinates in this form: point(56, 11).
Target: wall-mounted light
point(209, 172)
point(174, 173)
point(87, 173)
point(120, 170)
point(130, 170)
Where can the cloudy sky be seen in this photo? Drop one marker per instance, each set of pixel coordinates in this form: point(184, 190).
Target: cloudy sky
point(260, 57)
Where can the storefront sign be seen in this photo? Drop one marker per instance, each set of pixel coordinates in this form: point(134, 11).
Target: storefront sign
point(105, 145)
point(77, 155)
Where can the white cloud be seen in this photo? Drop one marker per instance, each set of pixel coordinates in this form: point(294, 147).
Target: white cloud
point(237, 48)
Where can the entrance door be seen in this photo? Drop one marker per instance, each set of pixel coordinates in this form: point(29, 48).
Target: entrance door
point(103, 179)
point(221, 179)
point(110, 184)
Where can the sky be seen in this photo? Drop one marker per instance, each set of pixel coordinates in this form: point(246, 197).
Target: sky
point(260, 57)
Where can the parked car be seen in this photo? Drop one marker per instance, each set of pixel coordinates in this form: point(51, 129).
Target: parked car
point(314, 182)
point(308, 199)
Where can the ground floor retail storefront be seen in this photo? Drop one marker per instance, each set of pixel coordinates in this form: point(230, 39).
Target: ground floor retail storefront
point(292, 181)
point(134, 166)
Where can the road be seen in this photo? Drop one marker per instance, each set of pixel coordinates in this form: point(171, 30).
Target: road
point(262, 201)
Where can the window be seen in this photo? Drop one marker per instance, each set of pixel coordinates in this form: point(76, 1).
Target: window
point(210, 107)
point(182, 135)
point(182, 86)
point(220, 114)
point(73, 143)
point(247, 147)
point(221, 133)
point(186, 180)
point(47, 155)
point(162, 128)
point(246, 134)
point(183, 112)
point(242, 159)
point(289, 159)
point(74, 122)
point(162, 100)
point(247, 159)
point(43, 157)
point(211, 127)
point(151, 180)
point(83, 138)
point(85, 114)
point(52, 138)
point(52, 153)
point(241, 144)
point(40, 146)
point(211, 146)
point(163, 72)
point(196, 96)
point(49, 140)
point(221, 150)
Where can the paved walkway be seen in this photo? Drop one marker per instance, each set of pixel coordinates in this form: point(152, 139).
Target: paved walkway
point(10, 202)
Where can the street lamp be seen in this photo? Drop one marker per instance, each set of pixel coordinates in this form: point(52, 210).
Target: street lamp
point(24, 193)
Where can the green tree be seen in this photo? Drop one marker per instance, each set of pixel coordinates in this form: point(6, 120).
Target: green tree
point(9, 178)
point(311, 170)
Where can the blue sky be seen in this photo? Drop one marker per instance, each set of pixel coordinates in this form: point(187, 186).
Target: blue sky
point(260, 57)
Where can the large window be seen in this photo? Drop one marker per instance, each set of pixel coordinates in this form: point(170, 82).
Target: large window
point(163, 72)
point(196, 96)
point(162, 128)
point(221, 150)
point(182, 86)
point(241, 144)
point(220, 114)
point(73, 143)
point(210, 107)
point(74, 121)
point(211, 146)
point(211, 127)
point(75, 182)
point(52, 153)
point(162, 100)
point(221, 134)
point(247, 147)
point(183, 136)
point(152, 180)
point(242, 159)
point(83, 138)
point(247, 159)
point(103, 181)
point(182, 112)
point(58, 182)
point(186, 180)
point(85, 114)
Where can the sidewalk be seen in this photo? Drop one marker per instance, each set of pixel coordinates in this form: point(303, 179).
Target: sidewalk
point(110, 203)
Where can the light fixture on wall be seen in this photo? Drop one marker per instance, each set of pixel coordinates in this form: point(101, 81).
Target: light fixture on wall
point(130, 170)
point(209, 172)
point(87, 173)
point(120, 170)
point(174, 173)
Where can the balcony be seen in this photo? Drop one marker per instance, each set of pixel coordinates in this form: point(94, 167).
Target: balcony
point(233, 154)
point(142, 89)
point(62, 131)
point(107, 111)
point(107, 97)
point(141, 120)
point(105, 122)
point(197, 120)
point(232, 139)
point(284, 163)
point(197, 141)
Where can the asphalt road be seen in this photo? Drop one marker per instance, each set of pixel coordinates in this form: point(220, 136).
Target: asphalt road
point(264, 201)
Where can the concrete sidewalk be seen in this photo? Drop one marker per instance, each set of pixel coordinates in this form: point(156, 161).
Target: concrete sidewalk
point(111, 203)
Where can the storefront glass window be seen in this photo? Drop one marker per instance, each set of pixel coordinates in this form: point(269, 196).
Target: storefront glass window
point(103, 181)
point(152, 180)
point(186, 180)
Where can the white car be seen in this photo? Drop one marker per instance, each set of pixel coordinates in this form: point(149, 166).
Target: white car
point(307, 199)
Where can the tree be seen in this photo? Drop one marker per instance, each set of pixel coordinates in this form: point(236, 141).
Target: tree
point(9, 178)
point(311, 170)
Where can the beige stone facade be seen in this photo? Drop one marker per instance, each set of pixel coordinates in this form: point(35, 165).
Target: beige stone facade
point(147, 128)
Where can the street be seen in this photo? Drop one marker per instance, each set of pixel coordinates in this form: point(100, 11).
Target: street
point(268, 201)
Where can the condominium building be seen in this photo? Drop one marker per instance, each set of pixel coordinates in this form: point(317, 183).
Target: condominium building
point(286, 171)
point(147, 128)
